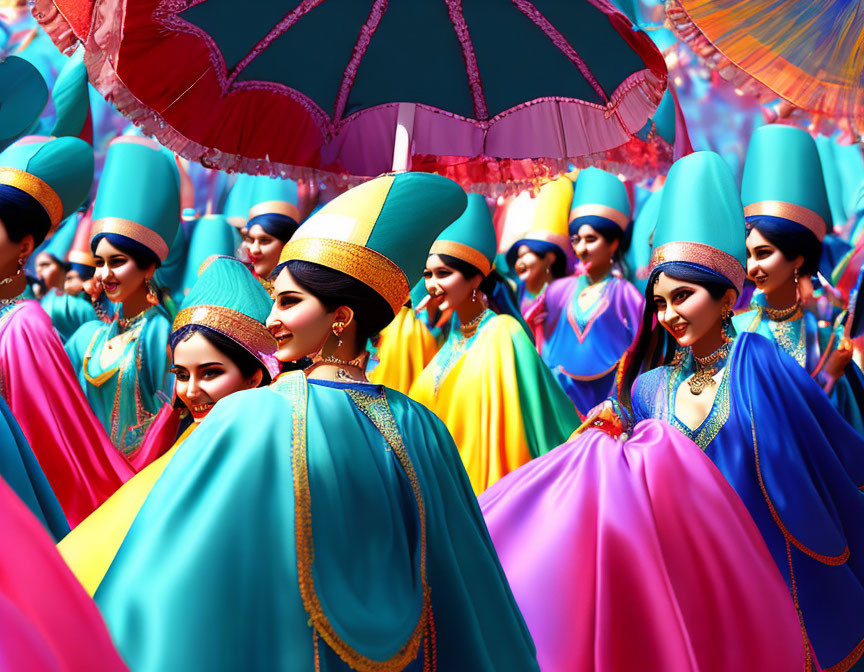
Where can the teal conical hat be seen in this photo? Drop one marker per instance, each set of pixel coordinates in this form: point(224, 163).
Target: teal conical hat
point(599, 199)
point(239, 200)
point(470, 238)
point(138, 195)
point(71, 98)
point(783, 180)
point(57, 173)
point(637, 258)
point(380, 232)
point(211, 235)
point(58, 245)
point(274, 195)
point(228, 299)
point(23, 95)
point(701, 219)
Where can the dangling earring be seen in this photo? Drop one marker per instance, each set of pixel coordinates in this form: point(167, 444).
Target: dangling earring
point(337, 332)
point(152, 296)
point(6, 281)
point(474, 296)
point(728, 334)
point(795, 276)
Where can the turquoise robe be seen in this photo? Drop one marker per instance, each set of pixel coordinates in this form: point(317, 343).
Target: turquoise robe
point(141, 372)
point(67, 312)
point(289, 501)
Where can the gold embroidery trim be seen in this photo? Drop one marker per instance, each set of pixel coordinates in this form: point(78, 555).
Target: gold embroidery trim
point(599, 210)
point(78, 257)
point(703, 255)
point(464, 252)
point(245, 330)
point(134, 230)
point(38, 189)
point(796, 213)
point(275, 208)
point(360, 262)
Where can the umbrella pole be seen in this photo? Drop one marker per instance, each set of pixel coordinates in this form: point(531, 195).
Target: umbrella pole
point(402, 141)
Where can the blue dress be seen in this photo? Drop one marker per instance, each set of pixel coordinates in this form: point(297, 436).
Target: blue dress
point(798, 467)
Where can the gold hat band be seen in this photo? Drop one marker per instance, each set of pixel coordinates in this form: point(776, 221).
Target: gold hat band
point(32, 185)
point(796, 213)
point(275, 208)
point(463, 252)
point(245, 330)
point(703, 255)
point(79, 257)
point(134, 230)
point(598, 210)
point(362, 263)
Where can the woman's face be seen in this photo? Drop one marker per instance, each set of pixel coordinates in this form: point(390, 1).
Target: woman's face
point(767, 266)
point(52, 274)
point(117, 272)
point(594, 251)
point(263, 250)
point(532, 268)
point(73, 284)
point(204, 375)
point(299, 322)
point(447, 287)
point(687, 310)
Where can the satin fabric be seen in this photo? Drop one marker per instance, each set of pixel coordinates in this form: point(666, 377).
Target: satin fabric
point(90, 548)
point(22, 473)
point(47, 621)
point(160, 436)
point(497, 398)
point(583, 347)
point(67, 313)
point(639, 556)
point(207, 577)
point(797, 469)
point(810, 346)
point(39, 385)
point(141, 372)
point(405, 348)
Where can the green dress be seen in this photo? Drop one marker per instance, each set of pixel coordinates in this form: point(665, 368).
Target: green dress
point(313, 525)
point(127, 394)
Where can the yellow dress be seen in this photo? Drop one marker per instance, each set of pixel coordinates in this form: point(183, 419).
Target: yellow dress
point(497, 398)
point(405, 348)
point(89, 549)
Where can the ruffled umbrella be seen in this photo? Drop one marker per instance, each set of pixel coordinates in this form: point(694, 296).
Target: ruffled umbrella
point(345, 86)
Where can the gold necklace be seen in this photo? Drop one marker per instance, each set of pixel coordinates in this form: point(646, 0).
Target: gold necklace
point(470, 328)
point(781, 314)
point(359, 362)
point(704, 369)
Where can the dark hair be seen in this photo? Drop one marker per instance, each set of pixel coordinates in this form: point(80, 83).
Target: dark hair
point(142, 255)
point(541, 248)
point(793, 241)
point(497, 291)
point(245, 360)
point(278, 226)
point(23, 215)
point(606, 228)
point(334, 288)
point(654, 346)
point(83, 270)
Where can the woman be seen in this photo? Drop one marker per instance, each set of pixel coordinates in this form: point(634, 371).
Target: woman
point(786, 209)
point(798, 467)
point(122, 364)
point(40, 182)
point(273, 218)
point(332, 519)
point(584, 324)
point(220, 345)
point(487, 383)
point(542, 255)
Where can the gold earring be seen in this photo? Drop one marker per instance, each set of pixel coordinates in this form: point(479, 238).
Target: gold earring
point(796, 276)
point(338, 327)
point(474, 296)
point(152, 297)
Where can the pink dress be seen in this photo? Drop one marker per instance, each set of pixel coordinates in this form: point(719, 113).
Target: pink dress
point(40, 386)
point(640, 556)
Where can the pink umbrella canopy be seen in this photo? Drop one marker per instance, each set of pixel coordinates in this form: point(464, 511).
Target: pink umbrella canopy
point(323, 85)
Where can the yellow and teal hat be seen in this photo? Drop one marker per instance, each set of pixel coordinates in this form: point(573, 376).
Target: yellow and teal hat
point(783, 181)
point(470, 238)
point(71, 98)
point(380, 232)
point(57, 173)
point(138, 195)
point(549, 226)
point(701, 220)
point(23, 96)
point(228, 299)
point(599, 200)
